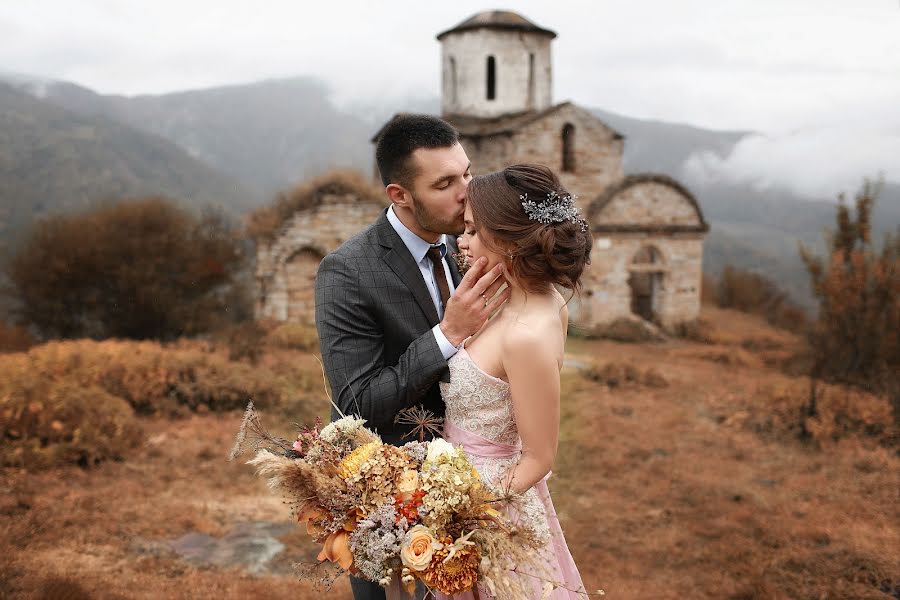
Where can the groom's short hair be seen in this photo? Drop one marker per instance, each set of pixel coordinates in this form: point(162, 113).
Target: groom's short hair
point(404, 135)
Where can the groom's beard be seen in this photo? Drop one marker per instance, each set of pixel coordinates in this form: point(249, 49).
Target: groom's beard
point(431, 222)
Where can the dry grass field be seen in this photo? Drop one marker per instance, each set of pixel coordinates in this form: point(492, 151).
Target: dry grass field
point(681, 474)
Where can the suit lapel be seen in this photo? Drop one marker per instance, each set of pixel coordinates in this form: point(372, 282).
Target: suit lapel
point(402, 264)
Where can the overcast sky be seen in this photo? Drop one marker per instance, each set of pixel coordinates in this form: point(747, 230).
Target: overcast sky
point(820, 79)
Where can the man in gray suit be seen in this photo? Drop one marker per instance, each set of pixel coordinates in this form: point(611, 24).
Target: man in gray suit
point(391, 309)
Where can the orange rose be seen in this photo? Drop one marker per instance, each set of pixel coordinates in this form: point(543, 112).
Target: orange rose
point(418, 546)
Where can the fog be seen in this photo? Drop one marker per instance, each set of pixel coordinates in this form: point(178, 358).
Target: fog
point(818, 80)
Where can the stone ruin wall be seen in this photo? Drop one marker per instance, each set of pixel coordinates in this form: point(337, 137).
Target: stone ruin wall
point(633, 219)
point(606, 296)
point(286, 266)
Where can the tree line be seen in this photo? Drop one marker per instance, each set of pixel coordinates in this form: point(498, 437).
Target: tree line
point(147, 269)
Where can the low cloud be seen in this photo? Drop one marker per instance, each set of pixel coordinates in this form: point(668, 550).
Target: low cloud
point(818, 163)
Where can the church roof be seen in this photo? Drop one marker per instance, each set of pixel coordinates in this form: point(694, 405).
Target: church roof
point(469, 126)
point(596, 207)
point(476, 127)
point(498, 19)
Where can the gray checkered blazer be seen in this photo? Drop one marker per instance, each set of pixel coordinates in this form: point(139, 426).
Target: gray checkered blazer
point(374, 316)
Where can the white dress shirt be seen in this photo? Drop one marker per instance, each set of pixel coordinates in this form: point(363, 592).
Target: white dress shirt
point(418, 248)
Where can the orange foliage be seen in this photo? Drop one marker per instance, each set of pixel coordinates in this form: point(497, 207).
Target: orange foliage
point(76, 401)
point(842, 413)
point(137, 268)
point(151, 378)
point(755, 294)
point(856, 339)
point(14, 338)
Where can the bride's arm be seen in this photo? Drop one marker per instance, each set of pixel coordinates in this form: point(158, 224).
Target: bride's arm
point(530, 362)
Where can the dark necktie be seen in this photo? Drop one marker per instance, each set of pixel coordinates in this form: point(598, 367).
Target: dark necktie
point(436, 255)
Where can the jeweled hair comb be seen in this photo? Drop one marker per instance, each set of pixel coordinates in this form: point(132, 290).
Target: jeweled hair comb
point(555, 209)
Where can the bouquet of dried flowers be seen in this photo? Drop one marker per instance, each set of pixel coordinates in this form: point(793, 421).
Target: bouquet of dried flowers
point(389, 514)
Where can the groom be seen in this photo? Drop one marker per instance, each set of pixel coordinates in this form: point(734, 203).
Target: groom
point(391, 309)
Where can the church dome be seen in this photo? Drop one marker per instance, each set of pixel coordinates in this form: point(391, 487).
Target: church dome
point(498, 19)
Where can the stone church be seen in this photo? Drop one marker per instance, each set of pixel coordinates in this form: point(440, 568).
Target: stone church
point(496, 90)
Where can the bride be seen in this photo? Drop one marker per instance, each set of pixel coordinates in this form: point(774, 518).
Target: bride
point(503, 399)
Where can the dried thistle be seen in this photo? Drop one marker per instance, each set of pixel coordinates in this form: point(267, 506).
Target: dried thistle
point(423, 420)
point(462, 262)
point(261, 438)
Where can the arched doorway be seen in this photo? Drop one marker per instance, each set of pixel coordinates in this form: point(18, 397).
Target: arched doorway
point(300, 275)
point(647, 272)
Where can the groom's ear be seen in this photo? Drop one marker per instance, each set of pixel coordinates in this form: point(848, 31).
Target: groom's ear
point(398, 194)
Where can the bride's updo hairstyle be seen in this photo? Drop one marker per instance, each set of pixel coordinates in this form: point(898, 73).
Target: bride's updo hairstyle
point(539, 253)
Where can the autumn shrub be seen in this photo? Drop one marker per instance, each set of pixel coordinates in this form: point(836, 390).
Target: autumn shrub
point(617, 374)
point(842, 412)
point(54, 422)
point(697, 330)
point(754, 293)
point(154, 379)
point(294, 336)
point(707, 289)
point(136, 269)
point(244, 340)
point(14, 338)
point(266, 221)
point(856, 338)
point(632, 330)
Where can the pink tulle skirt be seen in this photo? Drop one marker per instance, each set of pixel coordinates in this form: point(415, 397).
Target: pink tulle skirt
point(483, 452)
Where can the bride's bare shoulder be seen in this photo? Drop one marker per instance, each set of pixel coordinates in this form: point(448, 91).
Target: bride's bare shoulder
point(535, 329)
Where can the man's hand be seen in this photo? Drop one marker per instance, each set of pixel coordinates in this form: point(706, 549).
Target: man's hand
point(474, 300)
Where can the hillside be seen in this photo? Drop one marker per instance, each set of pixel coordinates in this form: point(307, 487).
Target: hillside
point(268, 134)
point(273, 133)
point(679, 475)
point(53, 159)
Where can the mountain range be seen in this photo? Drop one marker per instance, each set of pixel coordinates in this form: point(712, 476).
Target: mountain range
point(63, 147)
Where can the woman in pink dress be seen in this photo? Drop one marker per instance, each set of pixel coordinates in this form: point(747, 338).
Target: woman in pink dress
point(504, 393)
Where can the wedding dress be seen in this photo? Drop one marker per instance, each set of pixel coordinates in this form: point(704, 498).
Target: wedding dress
point(480, 418)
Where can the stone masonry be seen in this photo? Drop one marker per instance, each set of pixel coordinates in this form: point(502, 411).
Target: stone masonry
point(647, 256)
point(648, 229)
point(286, 267)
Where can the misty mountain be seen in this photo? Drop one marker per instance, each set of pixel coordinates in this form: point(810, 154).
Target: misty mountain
point(53, 159)
point(271, 134)
point(660, 147)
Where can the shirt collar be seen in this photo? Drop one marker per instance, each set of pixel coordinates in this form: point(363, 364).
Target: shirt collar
point(416, 245)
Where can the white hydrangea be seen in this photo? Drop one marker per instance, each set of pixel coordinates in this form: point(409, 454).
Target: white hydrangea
point(341, 429)
point(438, 447)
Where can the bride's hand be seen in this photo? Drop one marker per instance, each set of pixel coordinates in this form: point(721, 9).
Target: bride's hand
point(475, 299)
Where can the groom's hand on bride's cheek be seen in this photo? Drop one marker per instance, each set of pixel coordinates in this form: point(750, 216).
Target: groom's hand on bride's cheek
point(475, 299)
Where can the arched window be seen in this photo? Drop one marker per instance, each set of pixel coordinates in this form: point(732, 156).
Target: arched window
point(453, 80)
point(530, 80)
point(568, 148)
point(491, 78)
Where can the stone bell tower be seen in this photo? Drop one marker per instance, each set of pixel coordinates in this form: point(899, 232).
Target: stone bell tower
point(495, 63)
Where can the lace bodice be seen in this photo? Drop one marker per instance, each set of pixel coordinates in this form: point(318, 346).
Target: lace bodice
point(479, 402)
